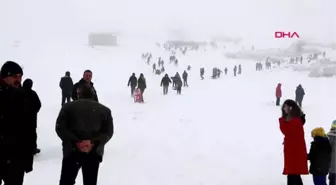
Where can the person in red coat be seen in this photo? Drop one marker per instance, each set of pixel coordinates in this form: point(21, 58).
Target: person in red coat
point(278, 94)
point(295, 151)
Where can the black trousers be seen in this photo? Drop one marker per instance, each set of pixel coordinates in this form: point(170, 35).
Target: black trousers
point(89, 163)
point(12, 173)
point(165, 89)
point(185, 83)
point(132, 90)
point(299, 102)
point(277, 103)
point(179, 89)
point(65, 97)
point(142, 92)
point(294, 180)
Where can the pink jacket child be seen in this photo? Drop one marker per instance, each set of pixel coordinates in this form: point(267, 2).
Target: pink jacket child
point(137, 96)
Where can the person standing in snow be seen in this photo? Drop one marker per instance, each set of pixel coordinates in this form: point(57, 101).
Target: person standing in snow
point(185, 79)
point(17, 135)
point(202, 73)
point(235, 70)
point(178, 83)
point(319, 156)
point(133, 82)
point(165, 83)
point(66, 84)
point(34, 105)
point(332, 140)
point(295, 151)
point(239, 69)
point(154, 67)
point(299, 94)
point(84, 126)
point(142, 85)
point(87, 77)
point(278, 94)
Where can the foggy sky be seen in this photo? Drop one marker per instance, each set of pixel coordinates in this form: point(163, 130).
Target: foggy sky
point(247, 18)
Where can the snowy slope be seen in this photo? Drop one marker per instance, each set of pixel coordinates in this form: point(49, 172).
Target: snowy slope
point(217, 132)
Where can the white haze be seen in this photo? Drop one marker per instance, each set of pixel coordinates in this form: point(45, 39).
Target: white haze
point(71, 20)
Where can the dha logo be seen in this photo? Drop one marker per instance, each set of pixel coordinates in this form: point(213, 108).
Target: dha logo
point(281, 35)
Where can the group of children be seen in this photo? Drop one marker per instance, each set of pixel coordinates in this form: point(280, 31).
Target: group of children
point(322, 155)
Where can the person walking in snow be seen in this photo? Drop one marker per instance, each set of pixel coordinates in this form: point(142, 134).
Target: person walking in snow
point(239, 69)
point(235, 70)
point(225, 70)
point(202, 73)
point(142, 85)
point(185, 79)
point(165, 83)
point(133, 82)
point(84, 126)
point(299, 94)
point(66, 85)
point(278, 94)
point(319, 156)
point(154, 67)
point(175, 78)
point(332, 140)
point(87, 79)
point(178, 85)
point(34, 106)
point(295, 151)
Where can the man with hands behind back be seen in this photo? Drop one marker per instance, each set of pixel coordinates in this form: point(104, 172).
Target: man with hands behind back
point(84, 126)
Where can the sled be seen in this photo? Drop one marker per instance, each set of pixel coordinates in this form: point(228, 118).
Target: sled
point(137, 96)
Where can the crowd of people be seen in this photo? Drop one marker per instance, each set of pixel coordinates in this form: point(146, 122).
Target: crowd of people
point(84, 126)
point(322, 154)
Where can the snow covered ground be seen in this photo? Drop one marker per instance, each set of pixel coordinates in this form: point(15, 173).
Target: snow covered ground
point(217, 132)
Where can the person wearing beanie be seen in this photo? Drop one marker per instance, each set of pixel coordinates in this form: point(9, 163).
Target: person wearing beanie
point(87, 77)
point(11, 73)
point(17, 135)
point(66, 85)
point(319, 156)
point(332, 139)
point(34, 105)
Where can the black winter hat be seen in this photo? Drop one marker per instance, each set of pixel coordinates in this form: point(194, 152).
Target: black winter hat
point(10, 68)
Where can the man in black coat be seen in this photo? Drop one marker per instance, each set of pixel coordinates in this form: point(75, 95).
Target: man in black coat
point(87, 77)
point(84, 126)
point(165, 83)
point(66, 85)
point(17, 135)
point(142, 85)
point(185, 79)
point(299, 94)
point(34, 105)
point(133, 82)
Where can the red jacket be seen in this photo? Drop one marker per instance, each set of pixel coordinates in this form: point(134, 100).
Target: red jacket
point(278, 92)
point(295, 151)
